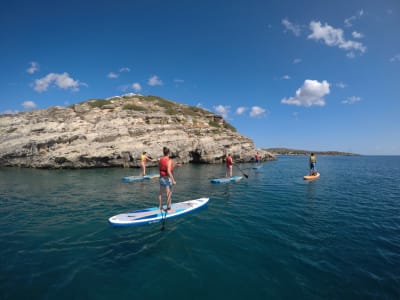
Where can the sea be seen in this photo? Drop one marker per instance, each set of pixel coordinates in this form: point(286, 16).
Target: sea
point(272, 235)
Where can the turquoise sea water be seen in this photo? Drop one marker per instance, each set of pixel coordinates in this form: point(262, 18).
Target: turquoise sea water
point(271, 236)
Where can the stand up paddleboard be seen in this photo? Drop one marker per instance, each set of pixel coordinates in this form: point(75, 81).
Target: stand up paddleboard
point(311, 177)
point(256, 167)
point(227, 179)
point(136, 178)
point(154, 214)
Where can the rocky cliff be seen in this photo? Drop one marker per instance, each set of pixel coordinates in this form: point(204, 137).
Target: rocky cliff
point(115, 131)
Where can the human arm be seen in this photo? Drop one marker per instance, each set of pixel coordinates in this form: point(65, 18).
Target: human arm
point(169, 171)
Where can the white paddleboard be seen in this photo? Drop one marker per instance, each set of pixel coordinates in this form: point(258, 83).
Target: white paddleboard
point(137, 178)
point(154, 214)
point(227, 179)
point(312, 177)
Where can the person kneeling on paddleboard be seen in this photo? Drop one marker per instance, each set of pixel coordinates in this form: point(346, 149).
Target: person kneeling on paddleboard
point(167, 179)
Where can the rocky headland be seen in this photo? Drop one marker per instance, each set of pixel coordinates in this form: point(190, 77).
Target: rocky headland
point(114, 132)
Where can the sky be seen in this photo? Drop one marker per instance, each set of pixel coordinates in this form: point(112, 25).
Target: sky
point(305, 74)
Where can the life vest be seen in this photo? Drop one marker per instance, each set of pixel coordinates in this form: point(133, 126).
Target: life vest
point(163, 166)
point(313, 159)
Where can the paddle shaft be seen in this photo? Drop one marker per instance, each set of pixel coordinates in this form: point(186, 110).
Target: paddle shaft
point(244, 174)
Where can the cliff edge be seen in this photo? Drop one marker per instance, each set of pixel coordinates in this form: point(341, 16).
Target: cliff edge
point(114, 132)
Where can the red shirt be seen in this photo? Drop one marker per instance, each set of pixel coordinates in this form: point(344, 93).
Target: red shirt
point(229, 161)
point(163, 166)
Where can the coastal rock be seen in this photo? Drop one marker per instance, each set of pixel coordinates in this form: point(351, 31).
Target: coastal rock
point(114, 132)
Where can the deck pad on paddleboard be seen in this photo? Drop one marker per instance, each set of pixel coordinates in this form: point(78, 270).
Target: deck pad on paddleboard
point(311, 177)
point(227, 179)
point(137, 178)
point(154, 214)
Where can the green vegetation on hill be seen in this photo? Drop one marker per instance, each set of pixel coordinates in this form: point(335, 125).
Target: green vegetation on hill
point(150, 104)
point(286, 151)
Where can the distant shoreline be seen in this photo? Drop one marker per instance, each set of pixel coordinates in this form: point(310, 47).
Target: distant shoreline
point(287, 151)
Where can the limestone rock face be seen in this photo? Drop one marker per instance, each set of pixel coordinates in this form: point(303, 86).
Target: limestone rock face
point(114, 133)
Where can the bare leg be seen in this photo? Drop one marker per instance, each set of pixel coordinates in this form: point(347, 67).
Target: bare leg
point(169, 195)
point(143, 169)
point(160, 198)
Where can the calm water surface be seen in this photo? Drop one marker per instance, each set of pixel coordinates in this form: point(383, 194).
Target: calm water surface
point(271, 236)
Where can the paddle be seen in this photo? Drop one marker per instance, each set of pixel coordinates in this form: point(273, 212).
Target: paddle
point(244, 174)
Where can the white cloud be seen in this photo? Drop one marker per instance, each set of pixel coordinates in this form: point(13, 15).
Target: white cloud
point(223, 110)
point(63, 81)
point(154, 80)
point(310, 94)
point(285, 77)
point(112, 75)
point(351, 100)
point(395, 58)
point(357, 35)
point(257, 111)
point(34, 67)
point(297, 61)
point(137, 87)
point(295, 29)
point(29, 104)
point(349, 21)
point(240, 110)
point(341, 85)
point(334, 37)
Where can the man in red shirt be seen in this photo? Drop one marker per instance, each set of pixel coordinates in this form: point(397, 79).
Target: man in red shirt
point(167, 179)
point(229, 165)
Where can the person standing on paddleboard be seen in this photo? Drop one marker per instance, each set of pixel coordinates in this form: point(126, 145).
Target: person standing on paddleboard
point(257, 157)
point(229, 165)
point(166, 166)
point(312, 162)
point(143, 159)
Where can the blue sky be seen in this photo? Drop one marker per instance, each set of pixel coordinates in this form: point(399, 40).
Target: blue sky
point(313, 75)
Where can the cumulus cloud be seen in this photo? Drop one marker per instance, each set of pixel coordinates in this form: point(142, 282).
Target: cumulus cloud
point(289, 26)
point(34, 67)
point(351, 100)
point(28, 105)
point(357, 35)
point(137, 87)
point(154, 80)
point(334, 37)
point(241, 110)
point(310, 94)
point(112, 75)
point(257, 111)
point(297, 61)
point(222, 110)
point(63, 81)
point(285, 77)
